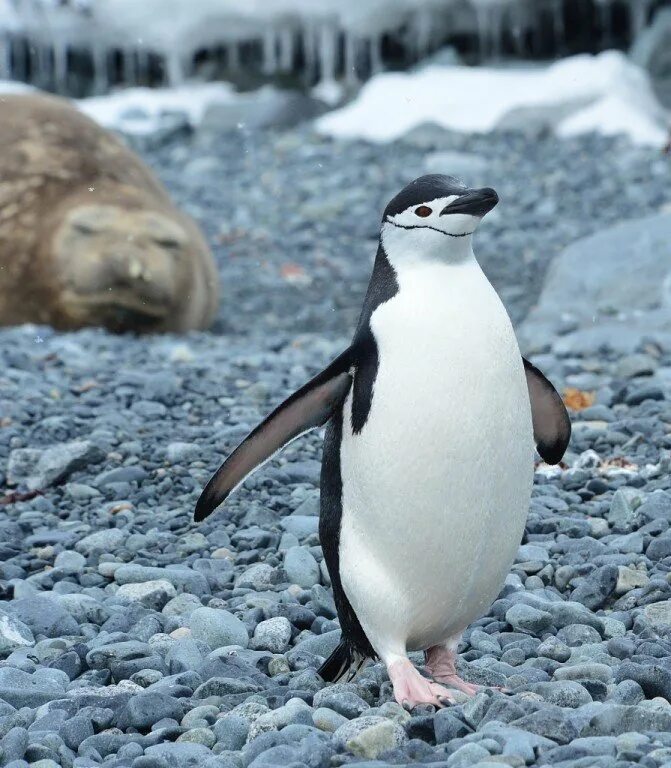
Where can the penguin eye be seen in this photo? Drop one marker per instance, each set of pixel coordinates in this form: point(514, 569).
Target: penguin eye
point(423, 211)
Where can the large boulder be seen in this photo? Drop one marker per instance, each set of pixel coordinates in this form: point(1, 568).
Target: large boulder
point(609, 290)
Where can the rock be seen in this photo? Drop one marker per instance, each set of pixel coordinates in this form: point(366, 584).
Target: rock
point(260, 577)
point(654, 680)
point(44, 616)
point(272, 635)
point(301, 567)
point(231, 732)
point(301, 526)
point(21, 689)
point(563, 694)
point(622, 269)
point(147, 708)
point(52, 465)
point(182, 605)
point(632, 366)
point(628, 579)
point(620, 514)
point(70, 562)
point(152, 594)
point(594, 589)
point(341, 699)
point(467, 755)
point(614, 719)
point(218, 628)
point(181, 578)
point(106, 540)
point(659, 614)
point(656, 507)
point(14, 634)
point(182, 453)
point(528, 619)
point(320, 645)
point(659, 547)
point(177, 755)
point(448, 726)
point(376, 740)
point(327, 720)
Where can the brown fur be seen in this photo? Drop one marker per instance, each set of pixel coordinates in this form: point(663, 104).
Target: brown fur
point(88, 236)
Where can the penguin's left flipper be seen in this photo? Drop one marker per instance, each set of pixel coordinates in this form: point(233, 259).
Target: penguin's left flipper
point(309, 407)
point(551, 423)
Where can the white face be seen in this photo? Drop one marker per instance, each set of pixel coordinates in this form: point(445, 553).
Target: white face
point(420, 234)
point(430, 216)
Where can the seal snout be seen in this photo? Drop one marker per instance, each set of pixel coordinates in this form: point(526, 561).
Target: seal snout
point(474, 202)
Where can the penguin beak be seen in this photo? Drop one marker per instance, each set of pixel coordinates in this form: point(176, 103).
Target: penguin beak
point(475, 202)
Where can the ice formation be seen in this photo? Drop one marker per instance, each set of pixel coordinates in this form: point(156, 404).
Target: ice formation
point(605, 93)
point(44, 41)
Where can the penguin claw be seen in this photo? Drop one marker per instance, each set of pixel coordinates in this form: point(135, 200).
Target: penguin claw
point(411, 689)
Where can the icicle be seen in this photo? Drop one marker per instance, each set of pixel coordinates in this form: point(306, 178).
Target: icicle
point(496, 30)
point(40, 65)
point(421, 30)
point(143, 66)
point(558, 27)
point(287, 42)
point(638, 15)
point(60, 67)
point(327, 52)
point(269, 66)
point(351, 56)
point(6, 57)
point(518, 26)
point(99, 58)
point(128, 68)
point(309, 51)
point(175, 69)
point(233, 56)
point(605, 21)
point(482, 23)
point(375, 54)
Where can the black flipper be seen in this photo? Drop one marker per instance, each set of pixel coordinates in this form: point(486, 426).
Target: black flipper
point(552, 426)
point(311, 406)
point(354, 647)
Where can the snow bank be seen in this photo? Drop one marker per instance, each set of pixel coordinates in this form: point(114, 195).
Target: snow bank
point(140, 111)
point(605, 93)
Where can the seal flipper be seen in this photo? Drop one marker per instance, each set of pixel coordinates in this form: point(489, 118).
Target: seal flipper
point(552, 426)
point(311, 406)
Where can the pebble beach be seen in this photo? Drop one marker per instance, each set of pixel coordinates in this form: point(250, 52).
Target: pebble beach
point(131, 637)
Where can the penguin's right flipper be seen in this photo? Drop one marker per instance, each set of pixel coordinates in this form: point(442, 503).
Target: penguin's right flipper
point(551, 422)
point(310, 407)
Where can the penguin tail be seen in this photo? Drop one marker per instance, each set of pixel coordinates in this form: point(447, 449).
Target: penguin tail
point(344, 662)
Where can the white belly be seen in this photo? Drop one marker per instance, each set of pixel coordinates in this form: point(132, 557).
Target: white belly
point(437, 484)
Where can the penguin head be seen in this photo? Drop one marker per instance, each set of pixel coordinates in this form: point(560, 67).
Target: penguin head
point(435, 213)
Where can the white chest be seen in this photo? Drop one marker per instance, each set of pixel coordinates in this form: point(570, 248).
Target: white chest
point(436, 485)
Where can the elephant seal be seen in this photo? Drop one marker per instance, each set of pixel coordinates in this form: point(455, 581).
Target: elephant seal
point(88, 235)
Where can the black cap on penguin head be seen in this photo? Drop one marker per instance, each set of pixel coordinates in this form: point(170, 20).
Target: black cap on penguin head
point(423, 190)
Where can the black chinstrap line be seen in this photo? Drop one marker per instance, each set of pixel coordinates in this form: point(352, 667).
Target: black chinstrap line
point(420, 226)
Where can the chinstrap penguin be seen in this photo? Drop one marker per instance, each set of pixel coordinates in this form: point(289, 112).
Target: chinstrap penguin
point(432, 416)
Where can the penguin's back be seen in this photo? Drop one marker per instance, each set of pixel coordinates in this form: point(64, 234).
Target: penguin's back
point(436, 484)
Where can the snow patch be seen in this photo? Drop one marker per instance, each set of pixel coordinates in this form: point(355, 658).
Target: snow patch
point(141, 111)
point(609, 94)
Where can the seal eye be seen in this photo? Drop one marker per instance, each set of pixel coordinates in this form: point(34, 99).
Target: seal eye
point(423, 211)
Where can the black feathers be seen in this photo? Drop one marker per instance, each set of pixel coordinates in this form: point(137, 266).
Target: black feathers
point(423, 190)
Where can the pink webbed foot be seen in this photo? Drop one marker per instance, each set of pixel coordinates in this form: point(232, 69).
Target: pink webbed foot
point(411, 689)
point(440, 665)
